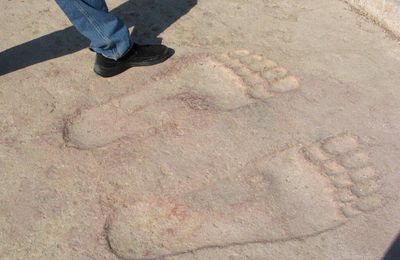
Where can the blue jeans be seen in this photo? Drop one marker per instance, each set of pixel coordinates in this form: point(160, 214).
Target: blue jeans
point(107, 33)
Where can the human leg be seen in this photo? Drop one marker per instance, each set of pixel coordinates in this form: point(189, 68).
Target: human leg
point(107, 33)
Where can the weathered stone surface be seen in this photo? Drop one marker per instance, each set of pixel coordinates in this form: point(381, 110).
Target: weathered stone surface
point(345, 195)
point(350, 212)
point(262, 65)
point(242, 208)
point(285, 84)
point(341, 181)
point(355, 160)
point(333, 168)
point(366, 188)
point(212, 84)
point(274, 74)
point(363, 174)
point(370, 203)
point(159, 153)
point(203, 85)
point(386, 12)
point(340, 144)
point(316, 154)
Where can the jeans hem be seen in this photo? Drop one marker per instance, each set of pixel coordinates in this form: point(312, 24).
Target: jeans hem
point(92, 21)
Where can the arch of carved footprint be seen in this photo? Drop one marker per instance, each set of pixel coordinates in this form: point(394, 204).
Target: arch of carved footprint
point(212, 84)
point(295, 193)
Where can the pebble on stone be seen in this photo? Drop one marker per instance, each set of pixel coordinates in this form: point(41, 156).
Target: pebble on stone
point(340, 144)
point(239, 54)
point(369, 203)
point(274, 74)
point(366, 188)
point(315, 153)
point(364, 174)
point(355, 160)
point(332, 168)
point(285, 84)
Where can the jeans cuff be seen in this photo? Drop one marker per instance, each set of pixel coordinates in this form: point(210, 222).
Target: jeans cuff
point(116, 51)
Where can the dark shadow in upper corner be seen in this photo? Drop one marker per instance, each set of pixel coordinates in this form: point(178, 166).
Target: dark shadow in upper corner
point(393, 252)
point(148, 17)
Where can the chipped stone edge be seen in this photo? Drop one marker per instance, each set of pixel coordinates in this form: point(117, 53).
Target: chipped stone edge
point(385, 13)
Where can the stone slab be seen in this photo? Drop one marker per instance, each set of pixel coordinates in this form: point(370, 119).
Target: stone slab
point(385, 12)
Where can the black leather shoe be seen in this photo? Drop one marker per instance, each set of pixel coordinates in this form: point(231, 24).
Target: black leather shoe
point(138, 55)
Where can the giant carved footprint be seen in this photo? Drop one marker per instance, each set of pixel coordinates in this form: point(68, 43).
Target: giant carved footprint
point(295, 193)
point(222, 83)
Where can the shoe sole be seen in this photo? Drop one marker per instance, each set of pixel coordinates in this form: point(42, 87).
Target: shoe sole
point(107, 72)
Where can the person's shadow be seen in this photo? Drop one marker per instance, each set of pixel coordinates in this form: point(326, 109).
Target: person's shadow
point(148, 17)
point(393, 253)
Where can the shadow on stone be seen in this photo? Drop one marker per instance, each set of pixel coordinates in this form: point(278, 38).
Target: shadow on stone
point(393, 252)
point(148, 17)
